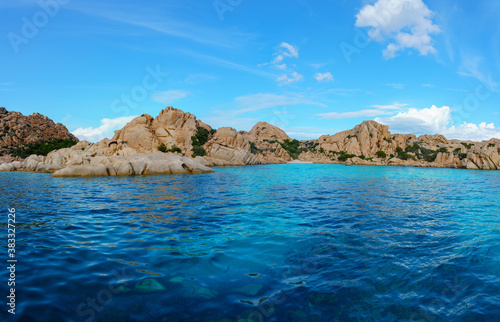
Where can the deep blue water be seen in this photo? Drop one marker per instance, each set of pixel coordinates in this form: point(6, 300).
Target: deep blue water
point(294, 242)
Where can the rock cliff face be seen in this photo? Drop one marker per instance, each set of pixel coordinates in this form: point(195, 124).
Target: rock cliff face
point(17, 130)
point(371, 143)
point(190, 146)
point(172, 127)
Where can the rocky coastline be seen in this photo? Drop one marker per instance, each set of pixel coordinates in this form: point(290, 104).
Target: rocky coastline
point(176, 142)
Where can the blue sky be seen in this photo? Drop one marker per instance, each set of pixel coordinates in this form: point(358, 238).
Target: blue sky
point(309, 67)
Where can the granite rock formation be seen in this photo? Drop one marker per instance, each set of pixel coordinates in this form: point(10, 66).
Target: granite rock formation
point(17, 130)
point(190, 146)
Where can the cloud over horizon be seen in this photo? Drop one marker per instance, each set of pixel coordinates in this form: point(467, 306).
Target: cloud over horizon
point(438, 120)
point(106, 130)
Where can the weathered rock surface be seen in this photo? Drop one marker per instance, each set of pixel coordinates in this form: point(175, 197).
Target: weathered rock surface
point(171, 127)
point(105, 159)
point(134, 149)
point(17, 130)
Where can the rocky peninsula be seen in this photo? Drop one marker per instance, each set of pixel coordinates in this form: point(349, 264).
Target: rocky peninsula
point(177, 142)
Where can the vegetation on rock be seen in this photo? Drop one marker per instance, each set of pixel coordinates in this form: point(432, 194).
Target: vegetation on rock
point(42, 148)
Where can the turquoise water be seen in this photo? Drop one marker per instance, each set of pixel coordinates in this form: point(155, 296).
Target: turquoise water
point(294, 242)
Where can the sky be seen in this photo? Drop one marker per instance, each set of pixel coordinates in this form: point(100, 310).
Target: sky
point(310, 67)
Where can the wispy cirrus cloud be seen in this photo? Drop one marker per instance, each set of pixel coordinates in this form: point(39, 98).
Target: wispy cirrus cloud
point(353, 114)
point(170, 96)
point(254, 103)
point(373, 111)
point(395, 85)
point(228, 64)
point(160, 20)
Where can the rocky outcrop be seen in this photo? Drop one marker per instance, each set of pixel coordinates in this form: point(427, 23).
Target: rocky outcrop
point(191, 146)
point(17, 130)
point(172, 127)
point(106, 158)
point(371, 143)
point(259, 146)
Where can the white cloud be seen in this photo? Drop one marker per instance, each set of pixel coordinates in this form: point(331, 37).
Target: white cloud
point(393, 106)
point(254, 103)
point(427, 85)
point(425, 121)
point(404, 23)
point(438, 120)
point(289, 50)
point(167, 97)
point(396, 85)
point(324, 77)
point(354, 114)
point(285, 50)
point(285, 79)
point(260, 101)
point(108, 126)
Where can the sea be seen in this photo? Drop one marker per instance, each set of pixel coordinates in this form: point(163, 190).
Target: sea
point(289, 242)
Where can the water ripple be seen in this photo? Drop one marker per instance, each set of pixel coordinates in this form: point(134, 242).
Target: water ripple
point(277, 243)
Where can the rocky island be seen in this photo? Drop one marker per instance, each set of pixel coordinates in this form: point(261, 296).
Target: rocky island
point(177, 142)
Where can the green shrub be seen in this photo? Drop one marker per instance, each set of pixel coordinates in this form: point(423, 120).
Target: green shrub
point(202, 134)
point(442, 150)
point(381, 154)
point(162, 148)
point(430, 157)
point(175, 149)
point(414, 148)
point(213, 131)
point(42, 148)
point(491, 145)
point(344, 156)
point(468, 146)
point(403, 156)
point(292, 147)
point(198, 151)
point(195, 141)
point(458, 150)
point(254, 149)
point(321, 150)
point(399, 150)
point(462, 156)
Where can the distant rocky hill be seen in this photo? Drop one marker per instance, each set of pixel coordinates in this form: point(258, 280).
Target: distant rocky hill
point(369, 143)
point(180, 134)
point(19, 133)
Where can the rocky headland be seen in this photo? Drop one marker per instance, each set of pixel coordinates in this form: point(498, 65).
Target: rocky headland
point(177, 142)
point(20, 134)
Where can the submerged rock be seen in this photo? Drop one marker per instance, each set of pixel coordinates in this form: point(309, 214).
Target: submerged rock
point(149, 285)
point(250, 289)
